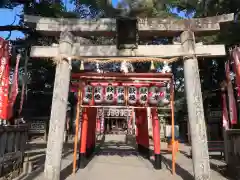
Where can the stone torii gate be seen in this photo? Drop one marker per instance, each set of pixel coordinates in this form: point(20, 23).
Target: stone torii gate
point(69, 49)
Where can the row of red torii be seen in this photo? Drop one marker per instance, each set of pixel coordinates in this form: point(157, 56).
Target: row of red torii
point(89, 104)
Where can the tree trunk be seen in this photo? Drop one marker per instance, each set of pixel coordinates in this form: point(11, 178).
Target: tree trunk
point(58, 111)
point(196, 118)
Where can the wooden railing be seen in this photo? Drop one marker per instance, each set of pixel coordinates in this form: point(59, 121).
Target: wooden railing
point(13, 141)
point(38, 126)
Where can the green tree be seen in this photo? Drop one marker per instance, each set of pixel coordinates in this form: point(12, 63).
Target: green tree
point(140, 8)
point(212, 70)
point(203, 8)
point(41, 73)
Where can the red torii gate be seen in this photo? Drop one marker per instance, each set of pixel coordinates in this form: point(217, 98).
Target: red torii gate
point(89, 112)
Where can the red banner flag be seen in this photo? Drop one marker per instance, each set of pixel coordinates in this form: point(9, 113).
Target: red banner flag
point(22, 98)
point(4, 77)
point(14, 89)
point(231, 98)
point(225, 112)
point(236, 67)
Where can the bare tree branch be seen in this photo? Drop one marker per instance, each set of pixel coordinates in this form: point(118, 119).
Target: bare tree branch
point(15, 28)
point(10, 32)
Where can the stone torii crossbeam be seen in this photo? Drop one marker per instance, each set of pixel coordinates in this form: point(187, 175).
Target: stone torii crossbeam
point(68, 49)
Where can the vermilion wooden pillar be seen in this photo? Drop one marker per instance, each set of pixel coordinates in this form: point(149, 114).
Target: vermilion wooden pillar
point(91, 113)
point(89, 134)
point(94, 113)
point(83, 139)
point(156, 139)
point(142, 138)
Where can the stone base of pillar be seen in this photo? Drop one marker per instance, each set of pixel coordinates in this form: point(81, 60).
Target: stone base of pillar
point(158, 161)
point(90, 151)
point(143, 151)
point(82, 161)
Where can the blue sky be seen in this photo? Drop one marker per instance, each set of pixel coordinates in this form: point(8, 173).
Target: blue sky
point(8, 16)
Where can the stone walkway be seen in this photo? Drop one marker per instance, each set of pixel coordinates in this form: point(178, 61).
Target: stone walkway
point(118, 160)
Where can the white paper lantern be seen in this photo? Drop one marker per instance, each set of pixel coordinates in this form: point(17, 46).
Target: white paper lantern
point(112, 112)
point(87, 94)
point(109, 112)
point(162, 95)
point(154, 95)
point(126, 113)
point(121, 112)
point(98, 94)
point(117, 112)
point(132, 95)
point(143, 95)
point(109, 94)
point(120, 94)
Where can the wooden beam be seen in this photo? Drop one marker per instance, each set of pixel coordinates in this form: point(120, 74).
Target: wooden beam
point(122, 75)
point(142, 51)
point(107, 26)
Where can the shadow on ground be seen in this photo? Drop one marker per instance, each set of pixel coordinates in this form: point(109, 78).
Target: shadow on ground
point(36, 156)
point(128, 148)
point(217, 164)
point(67, 171)
point(184, 174)
point(109, 148)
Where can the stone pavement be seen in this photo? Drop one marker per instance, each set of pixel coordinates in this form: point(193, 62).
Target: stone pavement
point(118, 160)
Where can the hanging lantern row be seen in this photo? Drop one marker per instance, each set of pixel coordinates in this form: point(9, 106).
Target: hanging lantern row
point(117, 94)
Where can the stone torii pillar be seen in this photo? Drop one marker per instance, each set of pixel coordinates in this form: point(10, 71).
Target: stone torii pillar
point(195, 109)
point(59, 104)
